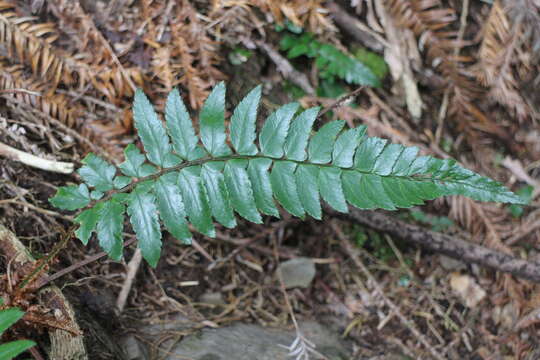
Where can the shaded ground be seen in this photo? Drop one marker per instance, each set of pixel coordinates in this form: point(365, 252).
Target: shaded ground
point(442, 307)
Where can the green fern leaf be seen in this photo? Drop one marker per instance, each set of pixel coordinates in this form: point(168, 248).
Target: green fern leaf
point(71, 197)
point(262, 189)
point(199, 184)
point(97, 173)
point(144, 219)
point(180, 126)
point(243, 123)
point(218, 195)
point(334, 63)
point(195, 200)
point(134, 164)
point(11, 349)
point(297, 139)
point(308, 189)
point(346, 145)
point(151, 131)
point(321, 144)
point(109, 228)
point(87, 220)
point(212, 121)
point(242, 200)
point(9, 317)
point(284, 186)
point(171, 207)
point(275, 129)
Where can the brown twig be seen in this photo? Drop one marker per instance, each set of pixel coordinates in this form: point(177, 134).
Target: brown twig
point(132, 268)
point(35, 161)
point(79, 265)
point(355, 28)
point(340, 101)
point(449, 245)
point(285, 67)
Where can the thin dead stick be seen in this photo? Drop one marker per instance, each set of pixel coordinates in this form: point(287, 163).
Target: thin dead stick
point(37, 209)
point(340, 101)
point(285, 68)
point(452, 246)
point(79, 265)
point(353, 253)
point(200, 249)
point(34, 161)
point(21, 91)
point(354, 27)
point(132, 268)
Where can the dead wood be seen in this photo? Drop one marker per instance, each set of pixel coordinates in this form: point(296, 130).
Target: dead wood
point(67, 339)
point(445, 244)
point(352, 26)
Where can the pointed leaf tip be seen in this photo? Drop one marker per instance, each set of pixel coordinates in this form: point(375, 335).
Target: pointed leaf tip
point(150, 129)
point(179, 125)
point(243, 123)
point(212, 122)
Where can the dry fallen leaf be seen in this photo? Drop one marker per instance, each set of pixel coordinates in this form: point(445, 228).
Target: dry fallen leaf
point(467, 288)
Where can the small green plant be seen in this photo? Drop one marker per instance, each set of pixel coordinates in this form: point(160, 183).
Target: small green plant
point(526, 193)
point(369, 239)
point(437, 223)
point(365, 69)
point(197, 179)
point(9, 350)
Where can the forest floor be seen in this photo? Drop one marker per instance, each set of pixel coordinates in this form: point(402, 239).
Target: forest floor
point(458, 79)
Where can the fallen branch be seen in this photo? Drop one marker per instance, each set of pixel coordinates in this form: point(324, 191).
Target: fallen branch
point(352, 26)
point(449, 245)
point(66, 342)
point(34, 161)
point(132, 268)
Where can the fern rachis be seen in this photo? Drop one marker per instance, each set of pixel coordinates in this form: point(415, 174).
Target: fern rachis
point(191, 181)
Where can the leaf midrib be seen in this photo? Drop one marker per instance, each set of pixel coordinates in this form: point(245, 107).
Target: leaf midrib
point(206, 159)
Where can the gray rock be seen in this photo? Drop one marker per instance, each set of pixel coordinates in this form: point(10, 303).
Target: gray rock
point(253, 342)
point(297, 272)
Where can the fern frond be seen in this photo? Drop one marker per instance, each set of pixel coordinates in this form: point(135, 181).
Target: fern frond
point(200, 179)
point(331, 61)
